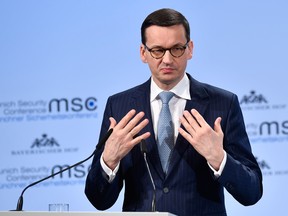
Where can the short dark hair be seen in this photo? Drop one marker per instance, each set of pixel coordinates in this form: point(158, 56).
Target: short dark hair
point(164, 17)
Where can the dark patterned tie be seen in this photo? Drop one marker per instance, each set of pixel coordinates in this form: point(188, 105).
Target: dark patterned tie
point(165, 130)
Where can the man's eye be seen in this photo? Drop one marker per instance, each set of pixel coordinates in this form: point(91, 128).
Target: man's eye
point(157, 51)
point(177, 49)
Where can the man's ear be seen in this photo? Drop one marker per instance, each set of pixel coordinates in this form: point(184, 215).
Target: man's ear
point(190, 48)
point(143, 53)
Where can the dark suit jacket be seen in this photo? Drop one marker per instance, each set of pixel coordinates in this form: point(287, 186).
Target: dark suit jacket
point(189, 187)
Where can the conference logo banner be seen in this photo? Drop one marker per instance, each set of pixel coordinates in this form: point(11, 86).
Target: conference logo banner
point(45, 110)
point(268, 121)
point(43, 148)
point(267, 126)
point(270, 167)
point(45, 152)
point(44, 145)
point(20, 177)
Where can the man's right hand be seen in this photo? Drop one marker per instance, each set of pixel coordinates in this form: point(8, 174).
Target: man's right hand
point(123, 137)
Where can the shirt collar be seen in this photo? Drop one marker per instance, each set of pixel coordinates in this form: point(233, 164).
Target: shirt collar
point(181, 89)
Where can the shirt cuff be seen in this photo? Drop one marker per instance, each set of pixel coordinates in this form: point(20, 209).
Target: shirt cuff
point(110, 173)
point(222, 165)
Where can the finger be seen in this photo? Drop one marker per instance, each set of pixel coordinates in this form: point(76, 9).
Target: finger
point(217, 125)
point(123, 122)
point(191, 120)
point(135, 130)
point(198, 118)
point(138, 139)
point(112, 122)
point(133, 123)
point(186, 135)
point(187, 125)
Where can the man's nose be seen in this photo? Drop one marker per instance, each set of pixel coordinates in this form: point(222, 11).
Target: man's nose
point(167, 58)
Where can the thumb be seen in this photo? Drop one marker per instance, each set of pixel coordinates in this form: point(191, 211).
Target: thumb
point(217, 125)
point(112, 122)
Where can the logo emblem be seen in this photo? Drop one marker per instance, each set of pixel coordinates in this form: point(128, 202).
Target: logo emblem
point(253, 98)
point(44, 141)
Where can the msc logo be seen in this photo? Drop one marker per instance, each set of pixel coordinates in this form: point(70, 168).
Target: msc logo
point(268, 128)
point(75, 104)
point(79, 171)
point(274, 127)
point(253, 98)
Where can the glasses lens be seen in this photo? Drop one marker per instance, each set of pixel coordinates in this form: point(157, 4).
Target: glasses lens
point(177, 51)
point(157, 53)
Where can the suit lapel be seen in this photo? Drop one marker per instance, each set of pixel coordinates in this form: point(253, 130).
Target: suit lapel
point(141, 102)
point(199, 101)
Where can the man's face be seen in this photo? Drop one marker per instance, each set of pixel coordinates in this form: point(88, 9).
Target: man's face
point(168, 70)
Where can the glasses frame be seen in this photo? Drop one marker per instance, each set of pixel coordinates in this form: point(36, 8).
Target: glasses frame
point(165, 49)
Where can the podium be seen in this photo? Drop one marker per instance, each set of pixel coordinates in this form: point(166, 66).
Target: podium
point(32, 213)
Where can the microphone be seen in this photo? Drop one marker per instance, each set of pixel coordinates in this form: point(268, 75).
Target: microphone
point(98, 146)
point(143, 149)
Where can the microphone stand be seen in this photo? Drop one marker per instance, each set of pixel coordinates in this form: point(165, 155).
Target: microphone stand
point(143, 148)
point(98, 146)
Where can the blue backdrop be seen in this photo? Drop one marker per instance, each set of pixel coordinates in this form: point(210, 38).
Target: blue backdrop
point(60, 60)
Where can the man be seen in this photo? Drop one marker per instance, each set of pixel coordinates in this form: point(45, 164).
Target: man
point(210, 149)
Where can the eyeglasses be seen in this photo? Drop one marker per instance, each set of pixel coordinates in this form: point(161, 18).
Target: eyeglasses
point(159, 52)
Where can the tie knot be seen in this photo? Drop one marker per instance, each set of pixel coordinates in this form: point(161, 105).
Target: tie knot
point(166, 96)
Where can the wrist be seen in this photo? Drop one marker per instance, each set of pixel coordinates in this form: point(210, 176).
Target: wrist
point(112, 164)
point(216, 161)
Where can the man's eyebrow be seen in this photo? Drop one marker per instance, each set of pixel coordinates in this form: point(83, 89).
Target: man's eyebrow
point(158, 46)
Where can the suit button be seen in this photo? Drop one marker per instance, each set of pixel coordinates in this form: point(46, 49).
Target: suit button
point(165, 189)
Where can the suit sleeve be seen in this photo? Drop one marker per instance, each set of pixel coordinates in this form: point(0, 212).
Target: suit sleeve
point(98, 190)
point(241, 176)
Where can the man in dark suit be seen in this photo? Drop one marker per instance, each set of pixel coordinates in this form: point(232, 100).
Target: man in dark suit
point(210, 151)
